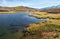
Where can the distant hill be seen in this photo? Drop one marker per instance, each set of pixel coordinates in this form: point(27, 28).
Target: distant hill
point(53, 9)
point(18, 9)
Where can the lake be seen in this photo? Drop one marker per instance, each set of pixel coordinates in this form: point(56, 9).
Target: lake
point(13, 22)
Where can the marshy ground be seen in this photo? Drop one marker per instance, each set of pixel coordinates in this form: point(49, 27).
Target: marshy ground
point(49, 29)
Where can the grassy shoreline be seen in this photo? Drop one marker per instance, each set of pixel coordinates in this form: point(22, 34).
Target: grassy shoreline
point(44, 30)
point(40, 15)
point(49, 29)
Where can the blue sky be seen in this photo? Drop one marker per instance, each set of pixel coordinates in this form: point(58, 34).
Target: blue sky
point(30, 3)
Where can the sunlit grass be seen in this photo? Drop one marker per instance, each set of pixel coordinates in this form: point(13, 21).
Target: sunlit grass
point(49, 29)
point(38, 25)
point(45, 15)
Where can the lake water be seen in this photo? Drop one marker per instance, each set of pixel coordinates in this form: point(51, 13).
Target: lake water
point(13, 22)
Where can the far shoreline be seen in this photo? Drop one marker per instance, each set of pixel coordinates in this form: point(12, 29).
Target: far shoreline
point(7, 12)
